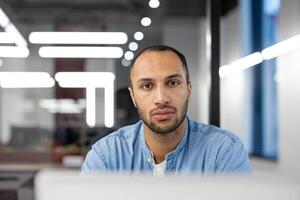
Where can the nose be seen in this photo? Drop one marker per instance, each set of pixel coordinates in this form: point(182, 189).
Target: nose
point(162, 96)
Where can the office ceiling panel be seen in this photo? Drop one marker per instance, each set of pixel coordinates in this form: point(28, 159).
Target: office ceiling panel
point(108, 15)
point(52, 9)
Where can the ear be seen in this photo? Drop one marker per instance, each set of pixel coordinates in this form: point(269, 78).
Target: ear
point(132, 96)
point(189, 87)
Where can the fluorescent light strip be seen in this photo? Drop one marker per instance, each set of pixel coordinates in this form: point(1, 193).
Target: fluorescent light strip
point(6, 38)
point(280, 48)
point(109, 105)
point(19, 40)
point(81, 52)
point(84, 79)
point(273, 51)
point(91, 106)
point(11, 35)
point(61, 106)
point(64, 110)
point(26, 80)
point(78, 37)
point(4, 20)
point(241, 64)
point(14, 52)
point(91, 81)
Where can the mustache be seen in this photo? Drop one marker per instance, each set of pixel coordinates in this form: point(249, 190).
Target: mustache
point(161, 107)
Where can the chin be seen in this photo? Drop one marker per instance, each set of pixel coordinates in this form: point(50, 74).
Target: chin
point(163, 129)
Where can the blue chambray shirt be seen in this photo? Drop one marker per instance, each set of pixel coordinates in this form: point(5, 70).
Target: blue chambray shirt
point(203, 149)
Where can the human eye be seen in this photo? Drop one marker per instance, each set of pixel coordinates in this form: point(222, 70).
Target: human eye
point(146, 86)
point(173, 82)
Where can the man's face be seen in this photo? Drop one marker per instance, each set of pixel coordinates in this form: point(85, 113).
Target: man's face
point(160, 90)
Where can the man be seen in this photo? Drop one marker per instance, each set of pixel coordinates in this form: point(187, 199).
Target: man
point(166, 140)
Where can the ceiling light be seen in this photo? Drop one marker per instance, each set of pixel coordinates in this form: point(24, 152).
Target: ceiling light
point(13, 31)
point(138, 35)
point(4, 20)
point(146, 21)
point(78, 37)
point(91, 81)
point(128, 55)
point(84, 79)
point(14, 52)
point(280, 48)
point(61, 105)
point(13, 35)
point(273, 51)
point(91, 106)
point(154, 3)
point(80, 52)
point(6, 38)
point(133, 46)
point(240, 64)
point(26, 80)
point(125, 62)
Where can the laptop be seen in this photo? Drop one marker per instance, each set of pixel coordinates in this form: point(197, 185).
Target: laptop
point(71, 185)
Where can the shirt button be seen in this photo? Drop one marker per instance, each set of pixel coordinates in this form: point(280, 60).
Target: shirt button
point(149, 159)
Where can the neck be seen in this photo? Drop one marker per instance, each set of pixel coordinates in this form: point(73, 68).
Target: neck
point(162, 144)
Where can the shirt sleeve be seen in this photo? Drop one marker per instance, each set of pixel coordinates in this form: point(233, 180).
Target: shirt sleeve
point(234, 159)
point(94, 161)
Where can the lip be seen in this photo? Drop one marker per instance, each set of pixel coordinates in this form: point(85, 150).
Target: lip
point(162, 115)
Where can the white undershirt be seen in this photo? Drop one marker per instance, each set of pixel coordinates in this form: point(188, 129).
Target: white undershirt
point(159, 169)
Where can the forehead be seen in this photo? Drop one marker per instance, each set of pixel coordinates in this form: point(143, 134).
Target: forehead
point(157, 64)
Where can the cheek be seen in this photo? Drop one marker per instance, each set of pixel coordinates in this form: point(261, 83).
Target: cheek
point(142, 103)
point(143, 98)
point(181, 94)
point(181, 99)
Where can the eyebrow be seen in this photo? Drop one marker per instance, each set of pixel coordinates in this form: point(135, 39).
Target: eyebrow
point(144, 80)
point(175, 76)
point(151, 79)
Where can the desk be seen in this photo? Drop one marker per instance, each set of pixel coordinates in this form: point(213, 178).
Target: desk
point(29, 159)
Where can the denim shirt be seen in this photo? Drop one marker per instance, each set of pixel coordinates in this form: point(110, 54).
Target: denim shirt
point(203, 149)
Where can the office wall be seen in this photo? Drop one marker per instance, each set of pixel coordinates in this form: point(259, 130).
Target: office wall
point(289, 91)
point(233, 109)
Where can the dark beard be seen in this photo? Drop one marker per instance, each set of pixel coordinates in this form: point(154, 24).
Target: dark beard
point(156, 129)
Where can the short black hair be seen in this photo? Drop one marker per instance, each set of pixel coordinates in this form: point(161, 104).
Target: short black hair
point(163, 48)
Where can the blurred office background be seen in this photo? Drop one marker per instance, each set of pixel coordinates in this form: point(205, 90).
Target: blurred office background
point(44, 122)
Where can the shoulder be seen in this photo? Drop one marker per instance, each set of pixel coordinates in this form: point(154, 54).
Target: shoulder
point(223, 146)
point(209, 133)
point(109, 150)
point(122, 136)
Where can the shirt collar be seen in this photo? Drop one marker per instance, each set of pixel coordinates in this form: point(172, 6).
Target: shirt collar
point(180, 146)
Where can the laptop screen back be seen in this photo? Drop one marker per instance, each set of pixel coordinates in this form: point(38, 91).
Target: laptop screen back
point(70, 185)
